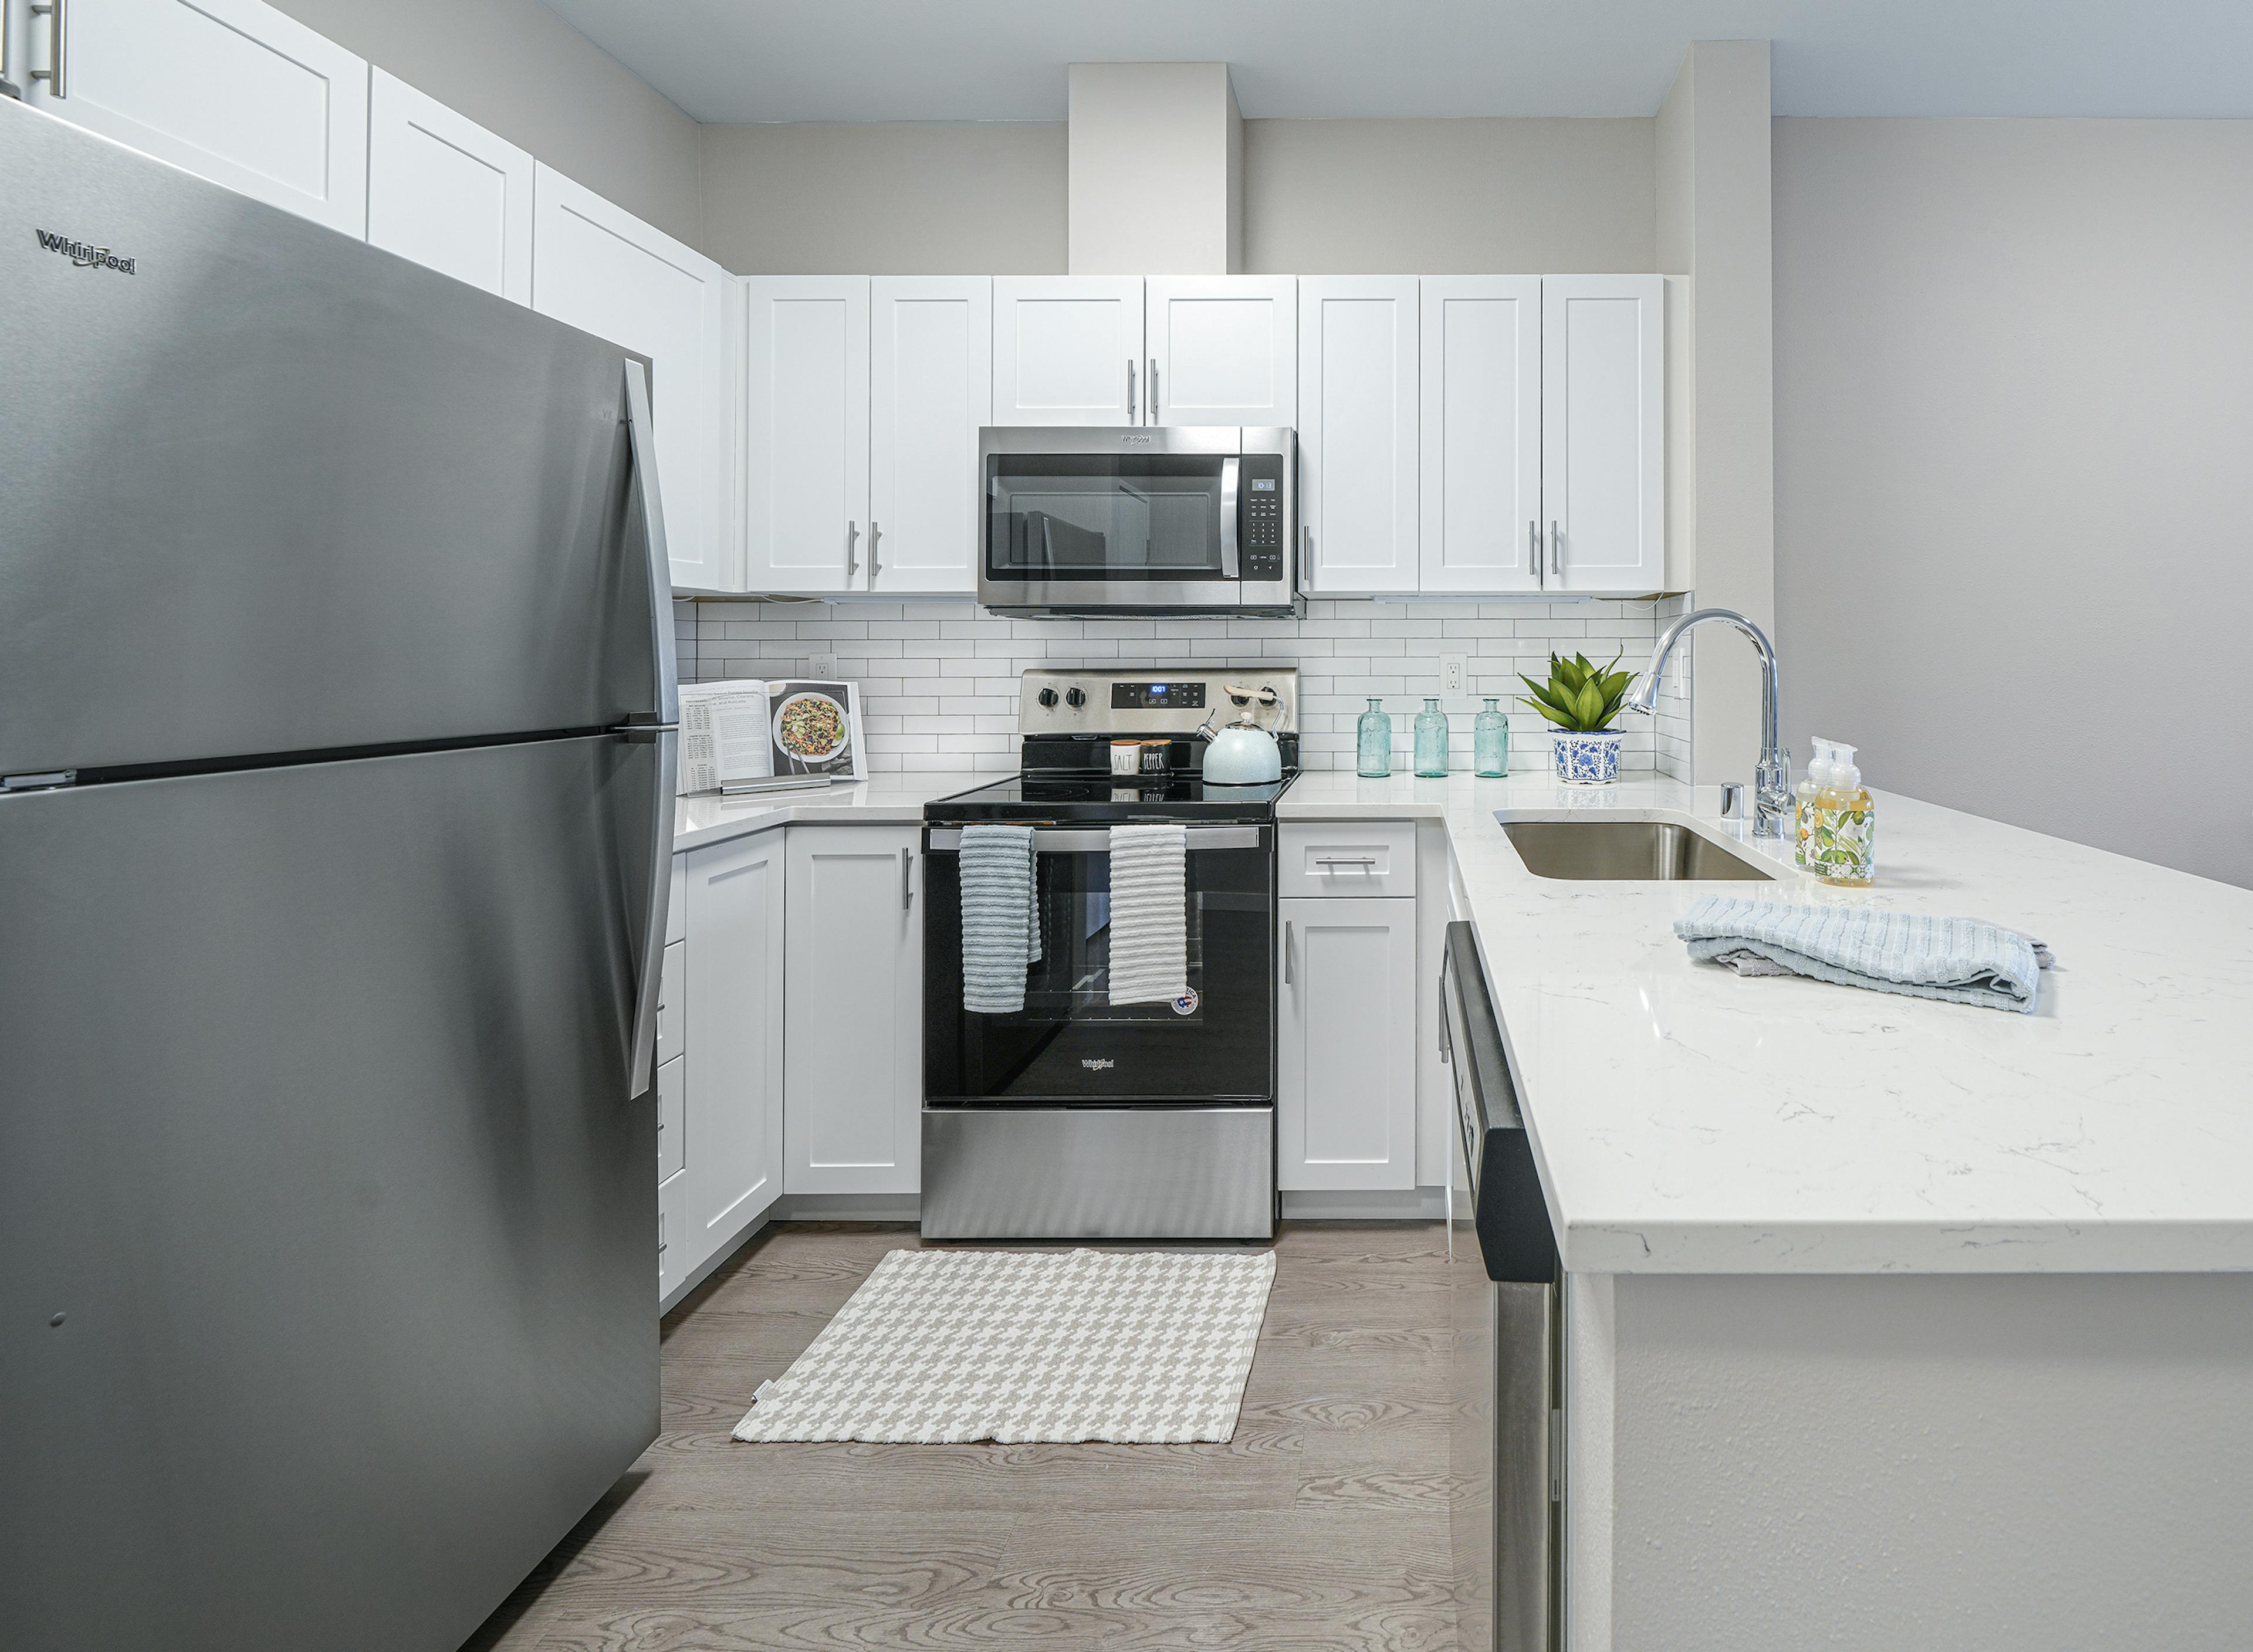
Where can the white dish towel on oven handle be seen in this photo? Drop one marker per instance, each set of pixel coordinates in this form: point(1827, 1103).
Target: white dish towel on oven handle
point(1149, 914)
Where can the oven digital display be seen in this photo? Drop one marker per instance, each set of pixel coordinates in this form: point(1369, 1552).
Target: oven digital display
point(1167, 695)
point(1263, 484)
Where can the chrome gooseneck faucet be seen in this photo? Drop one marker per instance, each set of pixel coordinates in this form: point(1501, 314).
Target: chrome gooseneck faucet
point(1772, 775)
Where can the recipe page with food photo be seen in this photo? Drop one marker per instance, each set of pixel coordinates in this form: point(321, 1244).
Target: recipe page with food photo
point(817, 729)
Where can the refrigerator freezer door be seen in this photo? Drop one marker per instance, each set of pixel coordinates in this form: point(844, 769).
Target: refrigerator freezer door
point(330, 1235)
point(267, 489)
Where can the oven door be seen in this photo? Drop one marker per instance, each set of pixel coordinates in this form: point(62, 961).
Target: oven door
point(1069, 1044)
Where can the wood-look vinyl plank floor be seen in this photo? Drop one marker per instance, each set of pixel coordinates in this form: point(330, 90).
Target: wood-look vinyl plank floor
point(1322, 1524)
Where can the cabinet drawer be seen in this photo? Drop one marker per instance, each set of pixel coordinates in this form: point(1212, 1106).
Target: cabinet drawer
point(672, 1130)
point(1348, 857)
point(671, 998)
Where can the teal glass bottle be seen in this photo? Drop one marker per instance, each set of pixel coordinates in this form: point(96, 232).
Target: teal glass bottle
point(1491, 742)
point(1373, 741)
point(1431, 739)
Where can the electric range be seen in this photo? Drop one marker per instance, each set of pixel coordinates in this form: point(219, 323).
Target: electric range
point(1074, 1116)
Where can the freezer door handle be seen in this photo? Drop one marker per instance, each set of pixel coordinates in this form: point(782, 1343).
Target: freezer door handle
point(666, 702)
point(649, 972)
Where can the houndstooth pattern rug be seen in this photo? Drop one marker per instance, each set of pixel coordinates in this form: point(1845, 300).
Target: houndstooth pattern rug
point(940, 1346)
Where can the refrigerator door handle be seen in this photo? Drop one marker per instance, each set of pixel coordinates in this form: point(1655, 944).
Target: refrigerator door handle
point(649, 967)
point(667, 702)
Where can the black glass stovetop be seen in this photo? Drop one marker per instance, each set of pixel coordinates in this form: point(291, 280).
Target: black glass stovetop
point(1107, 798)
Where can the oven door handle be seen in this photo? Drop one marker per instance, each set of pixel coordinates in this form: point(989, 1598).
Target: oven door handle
point(1097, 840)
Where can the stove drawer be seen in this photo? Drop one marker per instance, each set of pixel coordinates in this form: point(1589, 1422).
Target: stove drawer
point(1346, 858)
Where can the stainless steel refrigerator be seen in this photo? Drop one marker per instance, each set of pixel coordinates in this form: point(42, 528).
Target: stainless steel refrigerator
point(336, 802)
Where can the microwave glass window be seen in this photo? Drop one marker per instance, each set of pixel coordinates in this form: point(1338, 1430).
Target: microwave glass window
point(1081, 517)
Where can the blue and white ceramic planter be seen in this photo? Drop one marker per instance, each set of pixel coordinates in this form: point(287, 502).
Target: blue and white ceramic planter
point(1586, 759)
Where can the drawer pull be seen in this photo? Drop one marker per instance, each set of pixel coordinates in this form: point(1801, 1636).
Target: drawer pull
point(1345, 859)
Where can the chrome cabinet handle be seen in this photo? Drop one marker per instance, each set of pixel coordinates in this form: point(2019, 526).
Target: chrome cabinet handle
point(1130, 390)
point(57, 73)
point(852, 534)
point(1556, 549)
point(7, 86)
point(1154, 389)
point(874, 535)
point(1533, 548)
point(1346, 860)
point(907, 879)
point(1287, 952)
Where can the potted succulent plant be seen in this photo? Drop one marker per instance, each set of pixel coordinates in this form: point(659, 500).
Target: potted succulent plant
point(1582, 699)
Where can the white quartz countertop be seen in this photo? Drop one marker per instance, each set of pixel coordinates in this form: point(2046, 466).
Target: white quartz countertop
point(1688, 1120)
point(888, 799)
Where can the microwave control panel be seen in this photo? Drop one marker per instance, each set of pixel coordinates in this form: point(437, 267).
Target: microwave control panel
point(1261, 529)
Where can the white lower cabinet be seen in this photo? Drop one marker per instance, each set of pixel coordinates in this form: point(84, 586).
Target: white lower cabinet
point(731, 1148)
point(1346, 1098)
point(852, 1060)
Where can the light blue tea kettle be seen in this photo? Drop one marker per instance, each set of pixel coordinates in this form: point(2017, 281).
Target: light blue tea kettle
point(1243, 754)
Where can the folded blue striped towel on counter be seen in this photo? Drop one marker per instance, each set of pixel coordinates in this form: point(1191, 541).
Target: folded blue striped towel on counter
point(1959, 960)
point(1000, 918)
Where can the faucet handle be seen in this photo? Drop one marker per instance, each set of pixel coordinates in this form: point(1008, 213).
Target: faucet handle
point(1732, 799)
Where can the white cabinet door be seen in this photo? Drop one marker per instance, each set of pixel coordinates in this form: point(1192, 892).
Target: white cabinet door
point(1482, 437)
point(806, 433)
point(853, 1062)
point(1603, 444)
point(232, 90)
point(931, 385)
point(1223, 350)
point(445, 192)
point(1068, 350)
point(731, 1168)
point(607, 272)
point(1345, 1112)
point(1358, 418)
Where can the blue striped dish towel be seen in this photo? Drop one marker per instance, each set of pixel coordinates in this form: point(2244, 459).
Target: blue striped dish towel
point(1000, 918)
point(1149, 914)
point(1959, 960)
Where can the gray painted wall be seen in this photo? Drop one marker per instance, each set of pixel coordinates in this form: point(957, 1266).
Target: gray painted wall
point(2014, 468)
point(518, 69)
point(1439, 197)
point(1338, 197)
point(901, 199)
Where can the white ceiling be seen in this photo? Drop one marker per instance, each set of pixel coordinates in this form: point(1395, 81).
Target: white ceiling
point(739, 60)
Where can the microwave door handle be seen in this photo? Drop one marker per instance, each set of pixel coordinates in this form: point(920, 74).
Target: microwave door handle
point(1231, 475)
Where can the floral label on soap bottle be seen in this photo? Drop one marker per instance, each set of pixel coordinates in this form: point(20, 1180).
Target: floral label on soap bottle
point(1839, 845)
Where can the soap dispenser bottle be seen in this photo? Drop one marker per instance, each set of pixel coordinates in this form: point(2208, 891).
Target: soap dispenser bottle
point(1810, 787)
point(1842, 847)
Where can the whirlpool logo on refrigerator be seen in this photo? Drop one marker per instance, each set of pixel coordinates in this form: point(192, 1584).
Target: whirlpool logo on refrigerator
point(1098, 1063)
point(82, 255)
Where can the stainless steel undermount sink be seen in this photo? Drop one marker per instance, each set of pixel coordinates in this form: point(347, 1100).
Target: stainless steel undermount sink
point(1621, 850)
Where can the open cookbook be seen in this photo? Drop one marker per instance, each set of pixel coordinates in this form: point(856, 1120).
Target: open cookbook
point(750, 735)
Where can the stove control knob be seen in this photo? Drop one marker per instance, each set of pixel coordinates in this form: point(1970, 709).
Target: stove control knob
point(1075, 698)
point(1048, 696)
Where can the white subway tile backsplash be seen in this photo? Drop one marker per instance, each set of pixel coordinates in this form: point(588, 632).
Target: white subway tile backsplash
point(939, 680)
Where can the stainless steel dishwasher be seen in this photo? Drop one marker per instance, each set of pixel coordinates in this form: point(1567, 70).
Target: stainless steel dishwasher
point(1507, 1440)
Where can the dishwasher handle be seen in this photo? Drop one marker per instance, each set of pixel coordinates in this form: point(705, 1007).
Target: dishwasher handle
point(1512, 1213)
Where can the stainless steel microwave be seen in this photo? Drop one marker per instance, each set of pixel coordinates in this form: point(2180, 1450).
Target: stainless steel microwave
point(1139, 519)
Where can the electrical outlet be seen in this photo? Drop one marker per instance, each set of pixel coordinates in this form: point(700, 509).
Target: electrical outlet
point(1454, 675)
point(824, 667)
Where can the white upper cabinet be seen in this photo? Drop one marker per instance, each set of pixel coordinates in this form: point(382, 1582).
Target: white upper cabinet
point(852, 1058)
point(232, 90)
point(445, 192)
point(607, 272)
point(1481, 435)
point(1359, 417)
point(931, 387)
point(806, 433)
point(1068, 350)
point(1603, 463)
point(1222, 350)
